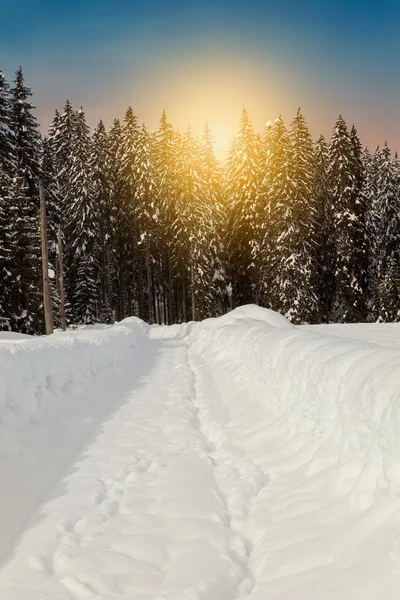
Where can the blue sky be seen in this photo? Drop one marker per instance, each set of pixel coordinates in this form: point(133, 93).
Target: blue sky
point(204, 60)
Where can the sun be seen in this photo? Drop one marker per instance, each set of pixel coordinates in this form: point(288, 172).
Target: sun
point(223, 139)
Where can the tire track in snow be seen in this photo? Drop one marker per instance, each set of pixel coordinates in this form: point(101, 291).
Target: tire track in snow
point(239, 479)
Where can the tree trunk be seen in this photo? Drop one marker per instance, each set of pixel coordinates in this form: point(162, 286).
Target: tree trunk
point(184, 303)
point(192, 291)
point(170, 293)
point(61, 281)
point(48, 309)
point(149, 286)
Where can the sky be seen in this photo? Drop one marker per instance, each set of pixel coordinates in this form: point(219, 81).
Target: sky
point(204, 61)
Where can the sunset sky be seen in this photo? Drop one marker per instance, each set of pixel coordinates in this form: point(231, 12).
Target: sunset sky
point(205, 60)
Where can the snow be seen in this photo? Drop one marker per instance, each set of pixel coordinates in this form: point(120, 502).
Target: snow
point(237, 458)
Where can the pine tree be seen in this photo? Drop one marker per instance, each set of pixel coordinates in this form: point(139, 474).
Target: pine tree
point(119, 223)
point(27, 138)
point(99, 166)
point(295, 221)
point(387, 235)
point(53, 210)
point(165, 154)
point(7, 168)
point(389, 292)
point(61, 137)
point(193, 227)
point(371, 242)
point(324, 250)
point(145, 215)
point(81, 231)
point(214, 199)
point(349, 299)
point(8, 161)
point(4, 253)
point(130, 133)
point(243, 178)
point(275, 192)
point(24, 266)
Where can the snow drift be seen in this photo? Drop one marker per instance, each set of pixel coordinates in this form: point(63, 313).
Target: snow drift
point(237, 458)
point(54, 391)
point(319, 414)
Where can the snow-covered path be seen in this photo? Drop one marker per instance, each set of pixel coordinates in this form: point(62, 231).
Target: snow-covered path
point(153, 506)
point(237, 459)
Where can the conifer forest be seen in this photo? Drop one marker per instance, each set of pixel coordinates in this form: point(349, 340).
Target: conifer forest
point(154, 226)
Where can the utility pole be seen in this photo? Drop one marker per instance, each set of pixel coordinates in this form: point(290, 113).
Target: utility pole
point(48, 310)
point(61, 280)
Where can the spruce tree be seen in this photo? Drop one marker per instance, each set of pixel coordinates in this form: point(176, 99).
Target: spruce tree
point(165, 154)
point(99, 167)
point(7, 168)
point(274, 196)
point(81, 231)
point(349, 298)
point(4, 253)
point(53, 210)
point(24, 265)
point(193, 227)
point(61, 140)
point(295, 218)
point(324, 250)
point(214, 199)
point(387, 235)
point(145, 215)
point(389, 292)
point(27, 138)
point(120, 219)
point(242, 184)
point(7, 136)
point(371, 243)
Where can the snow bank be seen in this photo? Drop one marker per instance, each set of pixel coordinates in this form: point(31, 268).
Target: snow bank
point(54, 391)
point(36, 371)
point(320, 415)
point(339, 395)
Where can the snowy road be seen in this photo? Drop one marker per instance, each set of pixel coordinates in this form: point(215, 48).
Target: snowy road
point(204, 476)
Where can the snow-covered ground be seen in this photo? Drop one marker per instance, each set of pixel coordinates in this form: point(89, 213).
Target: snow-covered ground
point(238, 458)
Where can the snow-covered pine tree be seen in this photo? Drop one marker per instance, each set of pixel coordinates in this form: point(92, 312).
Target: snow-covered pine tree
point(7, 167)
point(215, 202)
point(145, 215)
point(53, 210)
point(242, 171)
point(389, 292)
point(24, 264)
point(99, 167)
point(324, 218)
point(8, 157)
point(193, 228)
point(370, 195)
point(349, 297)
point(165, 154)
point(274, 195)
point(61, 141)
point(295, 223)
point(132, 270)
point(360, 244)
point(82, 230)
point(27, 137)
point(120, 219)
point(387, 235)
point(4, 251)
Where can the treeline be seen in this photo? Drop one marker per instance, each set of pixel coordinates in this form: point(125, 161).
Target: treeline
point(154, 226)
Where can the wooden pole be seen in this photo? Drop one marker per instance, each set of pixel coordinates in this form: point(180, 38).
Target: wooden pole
point(48, 310)
point(61, 280)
